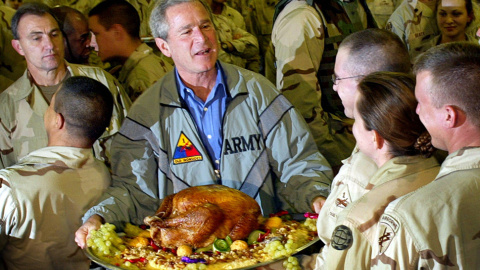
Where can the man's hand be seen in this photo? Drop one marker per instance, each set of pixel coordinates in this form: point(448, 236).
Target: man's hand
point(93, 223)
point(318, 203)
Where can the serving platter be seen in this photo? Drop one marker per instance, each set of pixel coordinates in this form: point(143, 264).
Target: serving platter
point(107, 265)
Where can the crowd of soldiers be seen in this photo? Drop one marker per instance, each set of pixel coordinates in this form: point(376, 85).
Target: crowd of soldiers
point(284, 73)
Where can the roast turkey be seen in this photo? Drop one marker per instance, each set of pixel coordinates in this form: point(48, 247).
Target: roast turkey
point(198, 215)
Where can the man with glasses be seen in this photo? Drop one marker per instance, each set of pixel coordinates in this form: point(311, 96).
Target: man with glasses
point(305, 36)
point(359, 54)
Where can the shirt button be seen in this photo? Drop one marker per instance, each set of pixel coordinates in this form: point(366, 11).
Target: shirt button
point(209, 136)
point(217, 161)
point(205, 109)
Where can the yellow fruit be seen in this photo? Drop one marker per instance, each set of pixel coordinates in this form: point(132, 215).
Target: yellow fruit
point(273, 222)
point(144, 233)
point(184, 250)
point(239, 245)
point(138, 242)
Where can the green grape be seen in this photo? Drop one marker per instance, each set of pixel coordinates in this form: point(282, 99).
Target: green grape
point(105, 241)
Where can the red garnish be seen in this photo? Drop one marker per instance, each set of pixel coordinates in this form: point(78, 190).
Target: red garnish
point(262, 236)
point(311, 215)
point(154, 246)
point(279, 214)
point(143, 227)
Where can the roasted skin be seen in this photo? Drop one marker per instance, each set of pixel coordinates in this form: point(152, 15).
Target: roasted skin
point(198, 215)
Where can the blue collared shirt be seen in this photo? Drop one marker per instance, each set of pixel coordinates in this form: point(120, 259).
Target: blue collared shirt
point(208, 115)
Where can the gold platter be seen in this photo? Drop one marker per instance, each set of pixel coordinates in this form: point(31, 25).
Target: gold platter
point(107, 265)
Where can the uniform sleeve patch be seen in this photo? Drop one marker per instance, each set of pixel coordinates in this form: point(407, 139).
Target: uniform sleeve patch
point(388, 227)
point(342, 238)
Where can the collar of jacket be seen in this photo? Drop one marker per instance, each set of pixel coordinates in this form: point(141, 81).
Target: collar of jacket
point(25, 84)
point(232, 78)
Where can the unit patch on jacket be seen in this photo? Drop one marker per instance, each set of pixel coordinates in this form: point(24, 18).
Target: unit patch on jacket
point(388, 227)
point(185, 151)
point(342, 238)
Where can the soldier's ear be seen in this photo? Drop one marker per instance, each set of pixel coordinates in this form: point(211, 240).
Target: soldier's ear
point(59, 121)
point(163, 47)
point(16, 45)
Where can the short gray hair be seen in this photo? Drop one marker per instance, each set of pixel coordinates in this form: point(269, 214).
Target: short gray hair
point(158, 19)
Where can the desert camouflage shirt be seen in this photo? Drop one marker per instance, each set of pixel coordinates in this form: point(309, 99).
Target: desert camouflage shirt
point(12, 64)
point(415, 23)
point(42, 199)
point(304, 45)
point(355, 231)
point(245, 45)
point(22, 106)
point(438, 225)
point(141, 70)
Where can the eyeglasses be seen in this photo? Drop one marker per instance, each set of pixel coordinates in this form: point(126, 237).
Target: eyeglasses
point(335, 78)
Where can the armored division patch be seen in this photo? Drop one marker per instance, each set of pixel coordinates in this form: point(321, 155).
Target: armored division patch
point(185, 151)
point(342, 238)
point(388, 227)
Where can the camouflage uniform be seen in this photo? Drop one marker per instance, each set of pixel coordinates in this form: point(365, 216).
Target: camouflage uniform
point(437, 226)
point(245, 44)
point(304, 44)
point(381, 10)
point(12, 64)
point(141, 70)
point(436, 41)
point(415, 23)
point(258, 16)
point(83, 6)
point(234, 16)
point(42, 201)
point(22, 107)
point(359, 221)
point(351, 183)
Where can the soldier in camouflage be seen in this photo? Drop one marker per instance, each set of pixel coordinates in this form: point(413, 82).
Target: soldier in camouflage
point(304, 38)
point(438, 226)
point(384, 110)
point(116, 22)
point(43, 197)
point(385, 52)
point(12, 65)
point(38, 38)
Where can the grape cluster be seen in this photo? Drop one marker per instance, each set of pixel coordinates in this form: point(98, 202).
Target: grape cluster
point(105, 241)
point(291, 264)
point(311, 224)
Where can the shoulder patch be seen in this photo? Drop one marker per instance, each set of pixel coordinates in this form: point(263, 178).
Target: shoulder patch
point(389, 26)
point(185, 151)
point(342, 238)
point(387, 228)
point(343, 200)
